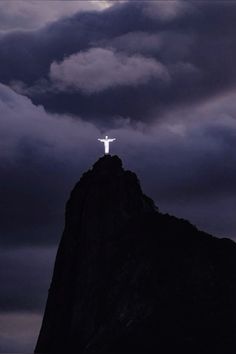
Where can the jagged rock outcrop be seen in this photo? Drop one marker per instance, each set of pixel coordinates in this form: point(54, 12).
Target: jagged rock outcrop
point(128, 279)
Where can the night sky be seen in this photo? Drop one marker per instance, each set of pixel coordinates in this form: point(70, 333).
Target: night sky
point(158, 76)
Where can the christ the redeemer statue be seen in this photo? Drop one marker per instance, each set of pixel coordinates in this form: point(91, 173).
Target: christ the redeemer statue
point(106, 142)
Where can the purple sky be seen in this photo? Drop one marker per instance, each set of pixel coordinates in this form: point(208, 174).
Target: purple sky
point(158, 76)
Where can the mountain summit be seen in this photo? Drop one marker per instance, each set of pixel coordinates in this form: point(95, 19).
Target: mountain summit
point(128, 279)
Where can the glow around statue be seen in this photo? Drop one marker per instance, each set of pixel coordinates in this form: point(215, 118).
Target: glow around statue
point(106, 142)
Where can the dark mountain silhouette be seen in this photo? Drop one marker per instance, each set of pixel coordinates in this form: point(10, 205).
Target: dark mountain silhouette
point(128, 279)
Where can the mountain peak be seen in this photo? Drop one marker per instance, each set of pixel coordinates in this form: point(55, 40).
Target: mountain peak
point(108, 163)
point(109, 193)
point(128, 279)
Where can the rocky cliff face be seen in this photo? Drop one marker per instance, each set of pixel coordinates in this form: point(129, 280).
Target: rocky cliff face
point(128, 279)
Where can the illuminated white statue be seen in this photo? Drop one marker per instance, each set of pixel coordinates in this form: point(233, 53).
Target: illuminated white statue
point(106, 142)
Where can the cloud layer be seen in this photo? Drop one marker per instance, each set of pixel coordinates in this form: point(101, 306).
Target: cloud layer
point(99, 69)
point(193, 41)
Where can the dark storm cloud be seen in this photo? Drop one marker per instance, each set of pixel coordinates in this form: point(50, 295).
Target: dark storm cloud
point(194, 177)
point(39, 162)
point(25, 275)
point(194, 41)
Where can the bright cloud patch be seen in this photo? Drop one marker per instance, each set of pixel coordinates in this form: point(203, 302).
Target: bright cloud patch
point(166, 10)
point(30, 15)
point(99, 69)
